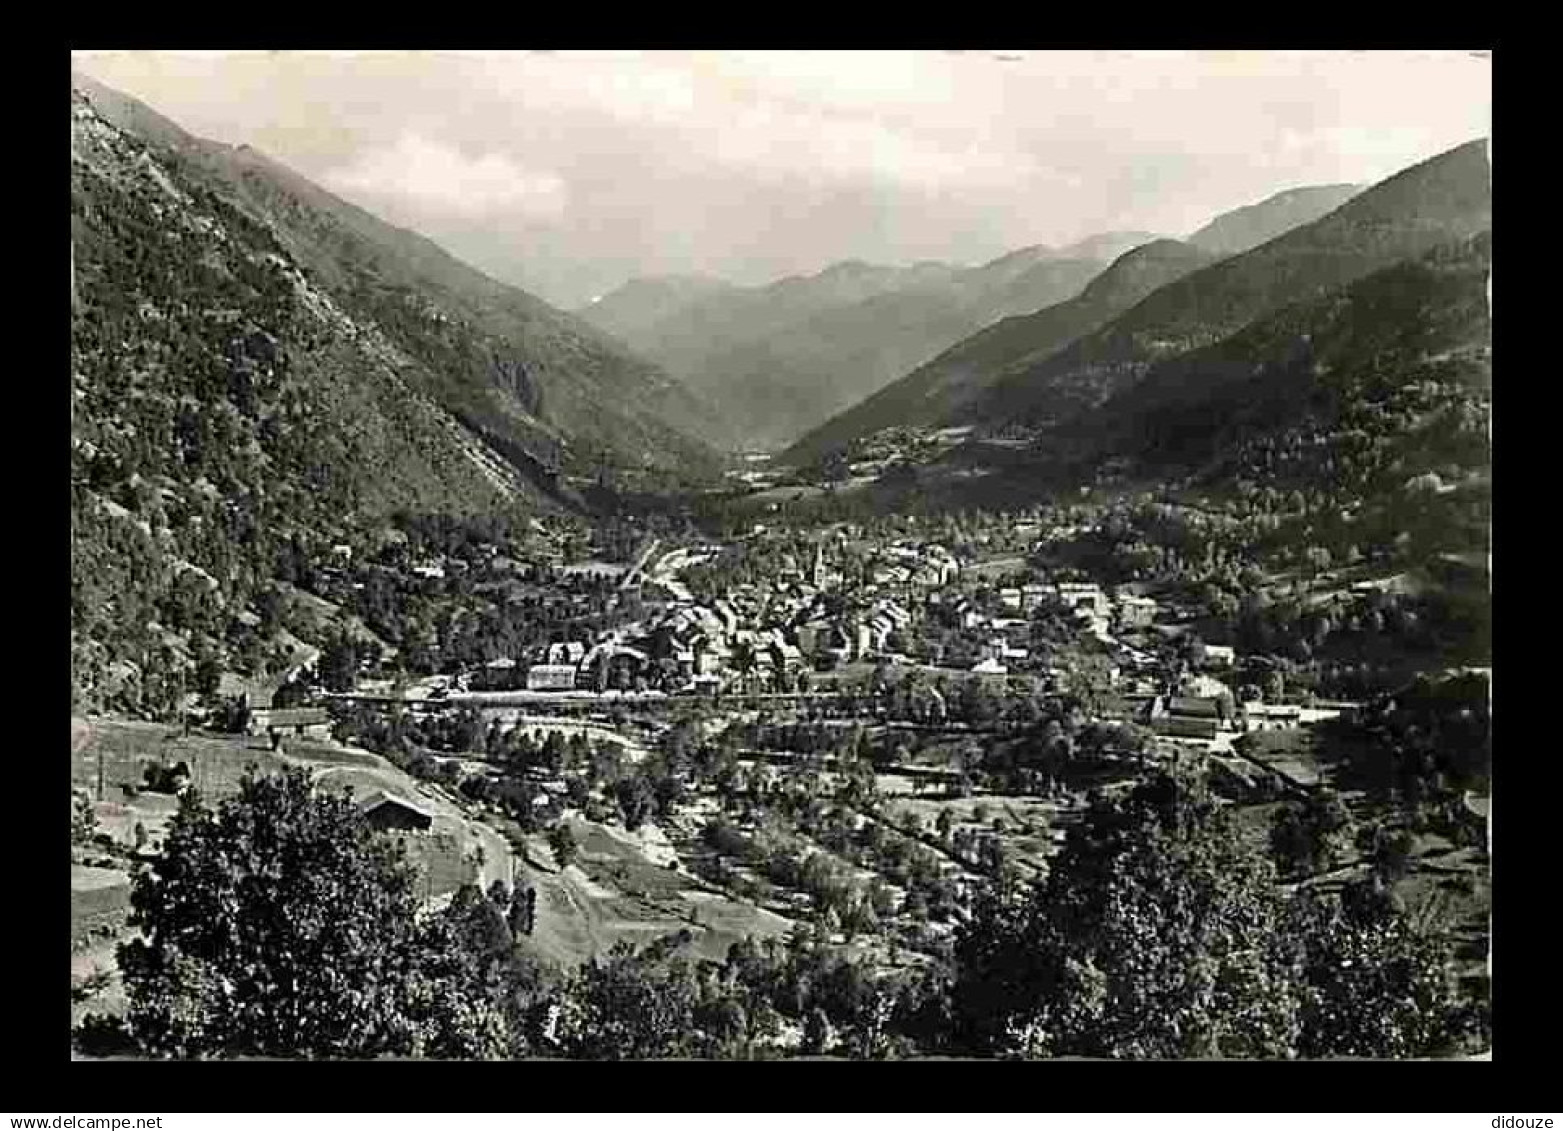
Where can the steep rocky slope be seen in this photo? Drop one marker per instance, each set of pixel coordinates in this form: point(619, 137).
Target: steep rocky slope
point(260, 372)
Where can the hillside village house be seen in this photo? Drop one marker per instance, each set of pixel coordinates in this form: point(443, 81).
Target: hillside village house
point(998, 648)
point(787, 656)
point(571, 652)
point(302, 722)
point(1136, 612)
point(1220, 655)
point(1084, 594)
point(1207, 687)
point(496, 675)
point(1186, 717)
point(614, 665)
point(387, 812)
point(1272, 716)
point(862, 640)
point(812, 636)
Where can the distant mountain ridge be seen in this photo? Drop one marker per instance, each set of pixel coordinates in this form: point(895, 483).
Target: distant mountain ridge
point(642, 302)
point(1243, 229)
point(980, 377)
point(1107, 246)
point(780, 358)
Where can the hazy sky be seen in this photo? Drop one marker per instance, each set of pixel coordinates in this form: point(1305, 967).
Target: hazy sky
point(569, 172)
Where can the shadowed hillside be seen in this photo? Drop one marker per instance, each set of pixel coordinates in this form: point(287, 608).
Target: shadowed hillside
point(938, 390)
point(539, 383)
point(1446, 198)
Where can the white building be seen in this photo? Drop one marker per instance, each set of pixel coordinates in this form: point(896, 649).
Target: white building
point(550, 677)
point(1088, 594)
point(1220, 655)
point(1136, 612)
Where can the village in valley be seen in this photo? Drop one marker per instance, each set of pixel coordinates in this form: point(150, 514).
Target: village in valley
point(835, 725)
point(1077, 647)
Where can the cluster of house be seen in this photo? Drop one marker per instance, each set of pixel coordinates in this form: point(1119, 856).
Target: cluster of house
point(1096, 612)
point(853, 636)
point(1208, 709)
point(762, 633)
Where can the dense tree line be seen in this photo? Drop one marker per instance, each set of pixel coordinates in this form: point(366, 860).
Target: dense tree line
point(1161, 933)
point(278, 924)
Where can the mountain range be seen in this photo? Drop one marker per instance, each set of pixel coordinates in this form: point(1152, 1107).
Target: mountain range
point(778, 359)
point(781, 363)
point(1443, 200)
point(938, 389)
point(1169, 300)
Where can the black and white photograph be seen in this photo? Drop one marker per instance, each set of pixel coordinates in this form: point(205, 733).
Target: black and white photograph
point(761, 555)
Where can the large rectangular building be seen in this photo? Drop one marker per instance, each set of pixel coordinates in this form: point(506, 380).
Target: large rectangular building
point(550, 677)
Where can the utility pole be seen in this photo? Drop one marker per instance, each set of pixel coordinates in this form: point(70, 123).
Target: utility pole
point(100, 773)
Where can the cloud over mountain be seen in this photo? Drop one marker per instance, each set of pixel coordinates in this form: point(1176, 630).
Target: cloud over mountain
point(425, 174)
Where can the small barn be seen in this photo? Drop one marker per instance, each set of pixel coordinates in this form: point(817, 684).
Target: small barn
point(1185, 717)
point(387, 812)
point(1186, 726)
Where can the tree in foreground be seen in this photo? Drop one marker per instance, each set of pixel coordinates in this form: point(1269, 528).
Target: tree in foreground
point(1377, 983)
point(1154, 936)
point(280, 924)
point(1313, 835)
point(629, 1006)
point(1160, 932)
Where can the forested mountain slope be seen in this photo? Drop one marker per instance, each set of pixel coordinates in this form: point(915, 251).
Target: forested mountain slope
point(1444, 199)
point(259, 373)
point(1422, 320)
point(537, 382)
